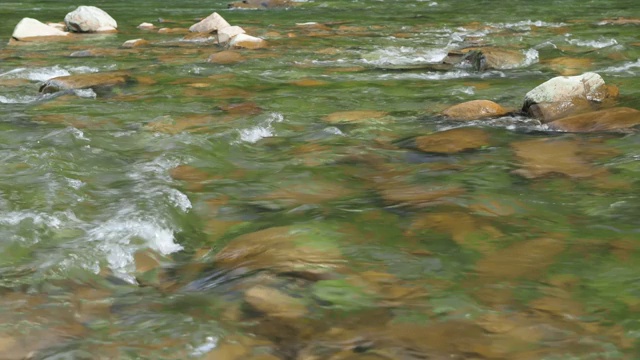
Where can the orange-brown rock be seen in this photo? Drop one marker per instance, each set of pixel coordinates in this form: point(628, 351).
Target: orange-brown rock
point(453, 141)
point(568, 66)
point(86, 81)
point(527, 258)
point(612, 119)
point(226, 57)
point(474, 110)
point(274, 303)
point(355, 116)
point(549, 156)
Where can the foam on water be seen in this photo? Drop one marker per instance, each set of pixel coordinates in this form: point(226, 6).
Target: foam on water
point(403, 55)
point(24, 99)
point(263, 130)
point(46, 73)
point(626, 68)
point(596, 44)
point(526, 25)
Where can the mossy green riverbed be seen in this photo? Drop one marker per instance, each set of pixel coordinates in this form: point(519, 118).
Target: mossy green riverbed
point(293, 202)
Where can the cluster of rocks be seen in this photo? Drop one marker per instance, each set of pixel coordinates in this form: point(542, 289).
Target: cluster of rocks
point(226, 34)
point(582, 103)
point(84, 19)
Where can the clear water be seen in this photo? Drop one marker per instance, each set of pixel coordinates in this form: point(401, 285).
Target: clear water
point(380, 251)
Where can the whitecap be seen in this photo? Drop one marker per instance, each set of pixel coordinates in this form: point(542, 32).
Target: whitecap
point(623, 68)
point(596, 44)
point(404, 55)
point(25, 99)
point(263, 130)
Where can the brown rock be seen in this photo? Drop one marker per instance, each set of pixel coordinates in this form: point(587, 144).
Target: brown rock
point(419, 196)
point(527, 258)
point(261, 4)
point(356, 116)
point(274, 303)
point(613, 119)
point(567, 66)
point(453, 141)
point(548, 156)
point(135, 43)
point(474, 110)
point(86, 81)
point(282, 249)
point(226, 57)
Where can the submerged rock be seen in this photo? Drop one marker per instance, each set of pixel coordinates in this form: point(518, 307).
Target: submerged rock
point(310, 250)
point(226, 57)
point(474, 110)
point(29, 28)
point(551, 156)
point(618, 118)
point(354, 116)
point(486, 58)
point(564, 95)
point(274, 303)
point(95, 81)
point(211, 23)
point(260, 4)
point(89, 19)
point(146, 26)
point(453, 141)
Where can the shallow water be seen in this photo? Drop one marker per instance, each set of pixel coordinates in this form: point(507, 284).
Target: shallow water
point(225, 212)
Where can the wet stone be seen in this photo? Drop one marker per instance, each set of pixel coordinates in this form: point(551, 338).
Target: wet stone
point(226, 57)
point(95, 81)
point(274, 303)
point(355, 116)
point(453, 141)
point(614, 119)
point(474, 110)
point(551, 156)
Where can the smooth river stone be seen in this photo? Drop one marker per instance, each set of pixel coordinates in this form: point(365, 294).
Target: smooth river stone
point(274, 303)
point(474, 110)
point(528, 258)
point(226, 57)
point(89, 19)
point(552, 156)
point(283, 249)
point(614, 119)
point(355, 116)
point(245, 41)
point(28, 29)
point(453, 141)
point(86, 81)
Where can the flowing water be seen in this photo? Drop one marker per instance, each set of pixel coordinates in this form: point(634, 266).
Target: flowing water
point(223, 211)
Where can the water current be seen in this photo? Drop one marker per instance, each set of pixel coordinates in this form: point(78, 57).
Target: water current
point(280, 206)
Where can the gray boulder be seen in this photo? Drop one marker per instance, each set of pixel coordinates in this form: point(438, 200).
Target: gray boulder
point(89, 19)
point(211, 23)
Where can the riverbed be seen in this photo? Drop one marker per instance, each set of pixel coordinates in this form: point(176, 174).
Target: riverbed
point(283, 205)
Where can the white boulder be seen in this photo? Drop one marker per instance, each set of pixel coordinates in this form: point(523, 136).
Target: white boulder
point(225, 34)
point(89, 19)
point(588, 86)
point(211, 23)
point(563, 95)
point(146, 26)
point(29, 28)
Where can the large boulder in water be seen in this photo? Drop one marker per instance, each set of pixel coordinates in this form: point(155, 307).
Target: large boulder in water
point(95, 81)
point(211, 23)
point(89, 19)
point(474, 110)
point(614, 119)
point(29, 28)
point(565, 95)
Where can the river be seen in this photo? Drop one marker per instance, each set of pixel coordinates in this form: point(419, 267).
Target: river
point(280, 206)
